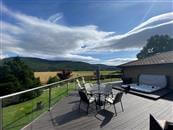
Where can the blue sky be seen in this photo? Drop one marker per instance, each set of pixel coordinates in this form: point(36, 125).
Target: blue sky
point(95, 31)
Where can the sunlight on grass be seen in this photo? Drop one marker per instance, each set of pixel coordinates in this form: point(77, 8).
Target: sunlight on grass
point(17, 116)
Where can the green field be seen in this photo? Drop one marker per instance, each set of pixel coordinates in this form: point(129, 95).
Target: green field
point(17, 116)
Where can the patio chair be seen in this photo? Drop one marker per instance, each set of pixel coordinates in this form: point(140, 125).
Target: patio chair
point(115, 100)
point(79, 85)
point(108, 91)
point(83, 81)
point(88, 88)
point(87, 100)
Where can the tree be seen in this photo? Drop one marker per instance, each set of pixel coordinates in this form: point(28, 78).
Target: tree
point(65, 74)
point(52, 80)
point(156, 44)
point(16, 76)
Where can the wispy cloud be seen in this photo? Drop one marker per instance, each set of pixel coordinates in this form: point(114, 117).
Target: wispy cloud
point(137, 37)
point(55, 18)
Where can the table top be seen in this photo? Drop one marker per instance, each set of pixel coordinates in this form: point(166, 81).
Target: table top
point(99, 89)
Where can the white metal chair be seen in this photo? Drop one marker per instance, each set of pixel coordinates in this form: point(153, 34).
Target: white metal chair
point(115, 100)
point(79, 85)
point(83, 81)
point(88, 88)
point(108, 91)
point(87, 100)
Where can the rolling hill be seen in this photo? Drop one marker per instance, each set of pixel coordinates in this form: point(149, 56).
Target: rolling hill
point(37, 64)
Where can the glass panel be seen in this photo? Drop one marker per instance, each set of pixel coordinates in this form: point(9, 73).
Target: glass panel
point(20, 110)
point(41, 103)
point(16, 113)
point(61, 90)
point(58, 92)
point(71, 85)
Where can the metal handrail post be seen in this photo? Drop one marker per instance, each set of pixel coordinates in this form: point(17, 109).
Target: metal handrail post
point(75, 85)
point(67, 88)
point(1, 115)
point(49, 98)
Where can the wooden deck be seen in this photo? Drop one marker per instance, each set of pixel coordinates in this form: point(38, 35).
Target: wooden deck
point(65, 115)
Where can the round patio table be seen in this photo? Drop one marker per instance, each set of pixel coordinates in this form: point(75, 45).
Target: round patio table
point(99, 91)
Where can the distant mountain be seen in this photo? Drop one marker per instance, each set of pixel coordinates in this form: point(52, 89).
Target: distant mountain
point(37, 64)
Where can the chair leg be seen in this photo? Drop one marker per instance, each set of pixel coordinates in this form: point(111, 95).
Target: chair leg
point(104, 104)
point(122, 105)
point(87, 108)
point(115, 109)
point(112, 94)
point(79, 105)
point(96, 105)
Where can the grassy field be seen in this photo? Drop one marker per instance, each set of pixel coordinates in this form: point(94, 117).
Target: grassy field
point(44, 76)
point(17, 116)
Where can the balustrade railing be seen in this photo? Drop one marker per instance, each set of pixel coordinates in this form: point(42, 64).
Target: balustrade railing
point(16, 113)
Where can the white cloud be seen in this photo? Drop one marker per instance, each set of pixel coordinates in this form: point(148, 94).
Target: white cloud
point(3, 56)
point(118, 61)
point(37, 37)
point(32, 36)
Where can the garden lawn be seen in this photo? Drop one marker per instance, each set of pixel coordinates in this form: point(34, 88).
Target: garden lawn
point(17, 116)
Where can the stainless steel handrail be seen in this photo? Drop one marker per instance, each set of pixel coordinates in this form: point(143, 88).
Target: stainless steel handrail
point(44, 86)
point(41, 87)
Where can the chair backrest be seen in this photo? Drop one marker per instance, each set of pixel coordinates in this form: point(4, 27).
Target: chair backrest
point(78, 84)
point(88, 87)
point(83, 97)
point(118, 97)
point(83, 80)
point(108, 89)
